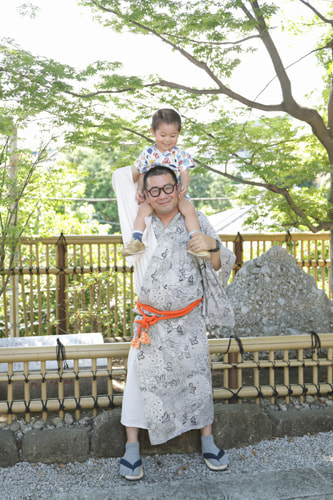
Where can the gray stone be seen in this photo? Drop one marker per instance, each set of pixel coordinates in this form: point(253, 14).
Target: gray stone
point(68, 419)
point(108, 436)
point(9, 454)
point(287, 303)
point(300, 422)
point(238, 425)
point(56, 446)
point(15, 426)
point(38, 425)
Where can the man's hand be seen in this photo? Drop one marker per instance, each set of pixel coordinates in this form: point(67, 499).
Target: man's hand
point(201, 241)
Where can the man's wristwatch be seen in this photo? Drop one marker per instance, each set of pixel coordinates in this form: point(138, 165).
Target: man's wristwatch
point(217, 248)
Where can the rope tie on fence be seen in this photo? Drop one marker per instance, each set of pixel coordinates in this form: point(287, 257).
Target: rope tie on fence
point(235, 393)
point(111, 403)
point(77, 401)
point(95, 402)
point(27, 406)
point(317, 386)
point(94, 376)
point(26, 378)
point(290, 391)
point(239, 342)
point(259, 391)
point(61, 404)
point(61, 355)
point(275, 392)
point(44, 405)
point(315, 342)
point(9, 378)
point(9, 406)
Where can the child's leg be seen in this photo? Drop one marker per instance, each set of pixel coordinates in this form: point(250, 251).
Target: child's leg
point(135, 245)
point(192, 223)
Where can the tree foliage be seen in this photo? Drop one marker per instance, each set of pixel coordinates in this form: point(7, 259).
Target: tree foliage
point(285, 145)
point(272, 148)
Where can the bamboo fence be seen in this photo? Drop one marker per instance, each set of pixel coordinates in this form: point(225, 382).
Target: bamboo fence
point(72, 284)
point(242, 369)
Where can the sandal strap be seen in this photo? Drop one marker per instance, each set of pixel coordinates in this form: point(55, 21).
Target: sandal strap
point(128, 464)
point(215, 457)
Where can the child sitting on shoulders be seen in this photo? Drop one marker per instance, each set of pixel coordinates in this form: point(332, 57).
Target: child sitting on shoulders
point(165, 128)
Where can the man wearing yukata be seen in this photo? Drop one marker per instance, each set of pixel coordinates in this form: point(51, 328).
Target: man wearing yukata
point(169, 388)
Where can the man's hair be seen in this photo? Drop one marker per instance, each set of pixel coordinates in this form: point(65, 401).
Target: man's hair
point(158, 170)
point(167, 116)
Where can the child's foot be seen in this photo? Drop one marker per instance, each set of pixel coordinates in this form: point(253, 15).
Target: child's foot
point(203, 254)
point(133, 248)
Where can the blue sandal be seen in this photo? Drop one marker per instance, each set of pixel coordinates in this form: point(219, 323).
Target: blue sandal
point(223, 463)
point(132, 468)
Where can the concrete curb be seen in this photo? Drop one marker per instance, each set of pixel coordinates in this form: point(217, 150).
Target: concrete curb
point(235, 426)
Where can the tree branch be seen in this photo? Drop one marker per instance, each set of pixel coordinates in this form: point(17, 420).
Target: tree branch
point(274, 189)
point(328, 21)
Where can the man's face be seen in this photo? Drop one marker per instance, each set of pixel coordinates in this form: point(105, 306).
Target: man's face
point(163, 204)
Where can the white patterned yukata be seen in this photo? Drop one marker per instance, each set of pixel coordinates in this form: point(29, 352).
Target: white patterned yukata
point(173, 372)
point(175, 158)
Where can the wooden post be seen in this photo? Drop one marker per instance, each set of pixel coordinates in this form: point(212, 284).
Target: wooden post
point(232, 359)
point(239, 252)
point(61, 288)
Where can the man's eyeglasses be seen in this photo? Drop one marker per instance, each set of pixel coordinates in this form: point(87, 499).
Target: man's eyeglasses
point(156, 191)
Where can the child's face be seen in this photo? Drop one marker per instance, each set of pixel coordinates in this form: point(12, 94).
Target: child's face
point(166, 136)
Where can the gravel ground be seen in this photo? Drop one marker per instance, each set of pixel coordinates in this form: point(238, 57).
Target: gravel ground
point(27, 481)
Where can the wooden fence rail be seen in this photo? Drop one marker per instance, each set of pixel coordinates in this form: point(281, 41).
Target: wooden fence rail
point(72, 284)
point(266, 367)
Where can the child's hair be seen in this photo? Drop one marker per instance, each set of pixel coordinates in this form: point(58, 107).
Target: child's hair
point(167, 116)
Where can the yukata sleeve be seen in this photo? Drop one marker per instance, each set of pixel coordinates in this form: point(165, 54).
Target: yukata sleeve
point(185, 160)
point(217, 309)
point(143, 163)
point(228, 258)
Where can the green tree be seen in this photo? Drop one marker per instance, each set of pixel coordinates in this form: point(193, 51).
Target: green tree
point(216, 37)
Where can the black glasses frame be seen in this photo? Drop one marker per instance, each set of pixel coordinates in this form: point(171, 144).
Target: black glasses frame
point(167, 189)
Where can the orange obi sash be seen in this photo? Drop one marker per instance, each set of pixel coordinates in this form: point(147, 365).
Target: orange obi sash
point(142, 336)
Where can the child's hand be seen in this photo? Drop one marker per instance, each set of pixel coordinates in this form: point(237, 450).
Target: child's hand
point(139, 197)
point(182, 193)
point(145, 210)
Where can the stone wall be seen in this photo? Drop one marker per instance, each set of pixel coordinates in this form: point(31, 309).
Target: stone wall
point(235, 426)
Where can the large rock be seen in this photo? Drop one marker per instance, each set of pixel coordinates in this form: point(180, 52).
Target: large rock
point(9, 454)
point(300, 422)
point(272, 295)
point(240, 425)
point(108, 437)
point(55, 446)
